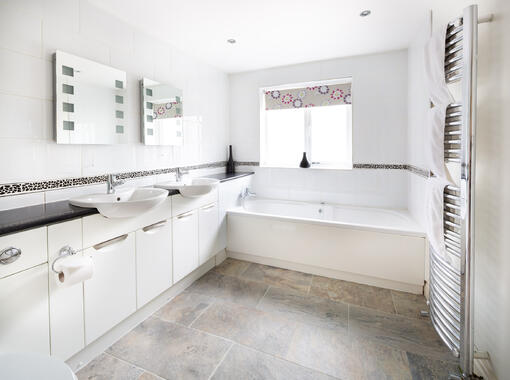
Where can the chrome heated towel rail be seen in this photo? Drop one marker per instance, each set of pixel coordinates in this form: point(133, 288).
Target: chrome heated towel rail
point(451, 286)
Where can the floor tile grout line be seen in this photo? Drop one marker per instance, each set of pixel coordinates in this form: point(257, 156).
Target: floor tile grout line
point(221, 361)
point(132, 364)
point(261, 298)
point(202, 313)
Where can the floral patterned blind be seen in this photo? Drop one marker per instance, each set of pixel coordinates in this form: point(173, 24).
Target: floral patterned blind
point(316, 96)
point(167, 110)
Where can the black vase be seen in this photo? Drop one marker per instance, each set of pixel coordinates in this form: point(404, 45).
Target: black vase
point(304, 162)
point(231, 168)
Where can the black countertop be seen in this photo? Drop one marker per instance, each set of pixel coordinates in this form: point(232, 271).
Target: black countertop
point(24, 218)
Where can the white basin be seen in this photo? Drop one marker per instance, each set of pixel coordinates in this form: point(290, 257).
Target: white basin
point(193, 188)
point(124, 203)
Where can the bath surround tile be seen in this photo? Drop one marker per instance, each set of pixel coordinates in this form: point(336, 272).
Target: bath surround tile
point(244, 363)
point(170, 350)
point(353, 293)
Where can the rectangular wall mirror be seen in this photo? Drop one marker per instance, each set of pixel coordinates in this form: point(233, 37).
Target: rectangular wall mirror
point(90, 101)
point(161, 113)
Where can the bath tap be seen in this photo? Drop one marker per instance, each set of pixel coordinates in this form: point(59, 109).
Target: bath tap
point(112, 182)
point(247, 193)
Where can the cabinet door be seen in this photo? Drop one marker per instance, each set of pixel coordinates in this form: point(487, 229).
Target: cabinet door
point(185, 243)
point(208, 232)
point(110, 295)
point(24, 318)
point(153, 261)
point(229, 197)
point(66, 302)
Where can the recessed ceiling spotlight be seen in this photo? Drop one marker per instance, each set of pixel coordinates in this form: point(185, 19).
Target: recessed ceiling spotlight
point(365, 13)
point(231, 41)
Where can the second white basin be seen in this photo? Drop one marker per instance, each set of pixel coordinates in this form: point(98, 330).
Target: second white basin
point(196, 187)
point(124, 203)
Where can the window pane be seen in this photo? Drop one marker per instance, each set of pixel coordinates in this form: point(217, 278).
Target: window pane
point(284, 137)
point(331, 135)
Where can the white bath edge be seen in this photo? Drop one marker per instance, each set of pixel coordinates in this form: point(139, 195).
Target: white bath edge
point(239, 211)
point(318, 271)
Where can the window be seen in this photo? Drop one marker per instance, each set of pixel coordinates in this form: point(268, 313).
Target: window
point(316, 119)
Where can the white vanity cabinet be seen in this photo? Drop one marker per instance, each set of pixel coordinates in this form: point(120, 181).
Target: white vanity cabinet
point(185, 244)
point(153, 260)
point(24, 320)
point(208, 232)
point(110, 295)
point(66, 302)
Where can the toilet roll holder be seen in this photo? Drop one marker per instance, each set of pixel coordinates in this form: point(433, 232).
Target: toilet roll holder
point(65, 251)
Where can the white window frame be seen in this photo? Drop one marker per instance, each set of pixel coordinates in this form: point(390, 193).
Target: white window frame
point(307, 126)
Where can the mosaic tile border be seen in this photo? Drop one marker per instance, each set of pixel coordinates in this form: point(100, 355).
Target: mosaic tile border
point(30, 187)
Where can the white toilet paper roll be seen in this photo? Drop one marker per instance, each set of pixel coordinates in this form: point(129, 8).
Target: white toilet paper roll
point(74, 269)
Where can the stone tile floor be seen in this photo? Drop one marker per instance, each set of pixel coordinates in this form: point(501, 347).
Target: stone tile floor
point(249, 321)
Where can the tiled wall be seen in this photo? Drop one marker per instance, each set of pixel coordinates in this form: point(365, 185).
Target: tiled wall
point(31, 31)
point(379, 92)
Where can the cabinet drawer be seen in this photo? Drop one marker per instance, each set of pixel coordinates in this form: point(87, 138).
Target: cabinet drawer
point(153, 261)
point(32, 245)
point(208, 231)
point(24, 320)
point(110, 295)
point(185, 244)
point(180, 204)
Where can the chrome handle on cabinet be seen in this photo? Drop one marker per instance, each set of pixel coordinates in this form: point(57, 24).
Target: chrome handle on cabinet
point(185, 215)
point(110, 242)
point(9, 255)
point(208, 207)
point(154, 226)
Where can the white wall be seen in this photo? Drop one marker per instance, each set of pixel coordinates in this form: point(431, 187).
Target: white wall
point(418, 106)
point(31, 31)
point(379, 130)
point(492, 269)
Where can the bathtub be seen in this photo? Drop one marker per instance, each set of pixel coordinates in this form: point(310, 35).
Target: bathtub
point(373, 246)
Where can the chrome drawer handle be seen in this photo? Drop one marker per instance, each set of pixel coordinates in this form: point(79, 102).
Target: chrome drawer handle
point(110, 242)
point(208, 207)
point(185, 215)
point(154, 226)
point(9, 255)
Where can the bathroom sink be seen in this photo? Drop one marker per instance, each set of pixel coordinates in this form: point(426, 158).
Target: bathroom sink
point(193, 188)
point(124, 203)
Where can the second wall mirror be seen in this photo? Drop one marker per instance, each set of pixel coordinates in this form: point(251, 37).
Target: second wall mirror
point(161, 113)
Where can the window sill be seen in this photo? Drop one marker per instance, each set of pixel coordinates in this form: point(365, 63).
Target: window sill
point(313, 167)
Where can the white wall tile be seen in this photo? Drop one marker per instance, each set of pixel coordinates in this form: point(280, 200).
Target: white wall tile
point(22, 200)
point(20, 26)
point(66, 194)
point(25, 75)
point(22, 117)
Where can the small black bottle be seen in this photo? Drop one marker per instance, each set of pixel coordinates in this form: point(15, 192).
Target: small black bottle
point(230, 163)
point(304, 162)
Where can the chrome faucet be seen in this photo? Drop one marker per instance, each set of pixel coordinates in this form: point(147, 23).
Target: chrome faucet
point(247, 193)
point(179, 173)
point(112, 182)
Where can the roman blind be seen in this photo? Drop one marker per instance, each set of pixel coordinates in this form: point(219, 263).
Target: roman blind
point(315, 96)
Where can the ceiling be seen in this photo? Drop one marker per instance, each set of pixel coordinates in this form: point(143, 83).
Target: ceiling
point(273, 32)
